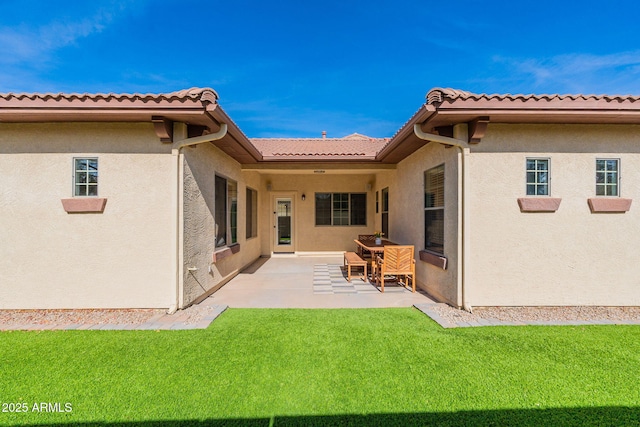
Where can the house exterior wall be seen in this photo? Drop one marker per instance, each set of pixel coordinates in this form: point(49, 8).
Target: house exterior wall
point(406, 216)
point(201, 273)
point(53, 259)
point(567, 257)
point(312, 238)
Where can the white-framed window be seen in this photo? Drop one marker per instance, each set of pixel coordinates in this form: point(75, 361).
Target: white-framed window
point(85, 176)
point(226, 211)
point(341, 208)
point(434, 209)
point(607, 177)
point(537, 177)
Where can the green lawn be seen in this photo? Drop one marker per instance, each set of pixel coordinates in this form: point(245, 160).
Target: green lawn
point(325, 367)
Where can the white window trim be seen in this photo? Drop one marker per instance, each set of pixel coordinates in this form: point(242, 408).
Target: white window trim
point(618, 173)
point(526, 183)
point(75, 171)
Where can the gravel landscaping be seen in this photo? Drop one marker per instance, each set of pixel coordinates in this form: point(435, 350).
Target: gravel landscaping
point(65, 317)
point(193, 314)
point(540, 314)
point(9, 318)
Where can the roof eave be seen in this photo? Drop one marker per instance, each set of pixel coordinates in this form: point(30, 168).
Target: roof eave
point(236, 144)
point(404, 142)
point(449, 107)
point(188, 106)
point(540, 116)
point(198, 107)
point(455, 106)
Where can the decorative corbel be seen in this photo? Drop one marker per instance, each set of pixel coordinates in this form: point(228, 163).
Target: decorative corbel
point(477, 129)
point(163, 128)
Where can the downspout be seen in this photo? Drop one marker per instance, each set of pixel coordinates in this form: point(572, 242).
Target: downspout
point(461, 143)
point(180, 131)
point(221, 133)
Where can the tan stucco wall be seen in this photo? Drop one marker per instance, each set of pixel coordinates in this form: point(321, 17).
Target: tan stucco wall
point(201, 164)
point(569, 257)
point(406, 215)
point(309, 237)
point(123, 257)
point(126, 256)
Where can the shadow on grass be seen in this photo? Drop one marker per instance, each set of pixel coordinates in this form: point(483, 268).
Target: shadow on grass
point(598, 416)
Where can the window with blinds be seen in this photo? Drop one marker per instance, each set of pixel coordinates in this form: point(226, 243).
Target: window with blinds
point(434, 209)
point(341, 209)
point(226, 211)
point(385, 212)
point(252, 213)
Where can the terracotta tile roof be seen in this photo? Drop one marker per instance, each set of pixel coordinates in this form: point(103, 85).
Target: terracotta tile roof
point(446, 107)
point(350, 146)
point(438, 95)
point(196, 106)
point(202, 94)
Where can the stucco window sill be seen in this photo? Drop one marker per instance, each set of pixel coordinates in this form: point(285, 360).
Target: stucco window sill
point(84, 205)
point(226, 252)
point(539, 204)
point(609, 205)
point(433, 259)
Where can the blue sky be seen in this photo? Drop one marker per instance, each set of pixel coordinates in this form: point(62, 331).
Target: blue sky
point(296, 68)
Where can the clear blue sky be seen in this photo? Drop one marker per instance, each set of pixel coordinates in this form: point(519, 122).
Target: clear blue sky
point(296, 68)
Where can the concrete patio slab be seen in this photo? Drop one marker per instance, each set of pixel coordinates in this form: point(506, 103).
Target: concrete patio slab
point(288, 282)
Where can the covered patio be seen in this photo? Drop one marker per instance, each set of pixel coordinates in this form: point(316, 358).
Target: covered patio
point(309, 281)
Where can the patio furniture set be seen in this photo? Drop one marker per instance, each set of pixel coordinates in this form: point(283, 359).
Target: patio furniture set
point(389, 260)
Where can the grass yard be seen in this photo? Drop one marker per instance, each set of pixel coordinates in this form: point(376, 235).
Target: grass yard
point(374, 367)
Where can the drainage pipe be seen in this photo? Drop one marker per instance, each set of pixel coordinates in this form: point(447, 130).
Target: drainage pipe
point(462, 144)
point(180, 131)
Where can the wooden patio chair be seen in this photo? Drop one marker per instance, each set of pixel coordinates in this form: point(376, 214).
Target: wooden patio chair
point(365, 238)
point(398, 261)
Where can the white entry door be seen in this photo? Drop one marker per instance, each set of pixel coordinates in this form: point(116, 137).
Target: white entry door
point(283, 225)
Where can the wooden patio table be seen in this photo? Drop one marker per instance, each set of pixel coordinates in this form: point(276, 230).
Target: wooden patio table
point(371, 246)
